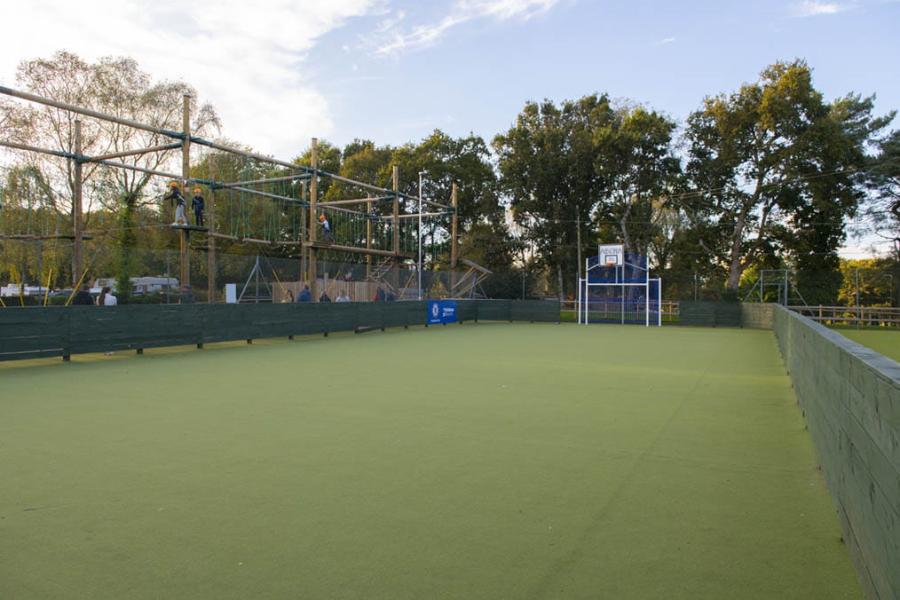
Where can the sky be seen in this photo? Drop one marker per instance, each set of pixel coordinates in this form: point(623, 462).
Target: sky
point(282, 71)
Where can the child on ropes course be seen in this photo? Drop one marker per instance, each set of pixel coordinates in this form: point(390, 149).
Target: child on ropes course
point(197, 206)
point(175, 196)
point(326, 229)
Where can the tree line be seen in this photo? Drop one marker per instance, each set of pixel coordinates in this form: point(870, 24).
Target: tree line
point(773, 175)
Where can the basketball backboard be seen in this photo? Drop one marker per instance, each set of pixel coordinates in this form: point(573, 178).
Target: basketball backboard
point(611, 254)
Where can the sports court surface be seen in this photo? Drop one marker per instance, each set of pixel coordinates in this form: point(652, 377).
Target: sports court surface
point(475, 461)
point(883, 341)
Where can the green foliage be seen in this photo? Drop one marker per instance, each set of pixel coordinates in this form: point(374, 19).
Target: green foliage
point(547, 172)
point(883, 208)
point(874, 279)
point(774, 163)
point(588, 162)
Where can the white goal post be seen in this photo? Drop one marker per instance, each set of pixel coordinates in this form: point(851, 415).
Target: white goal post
point(626, 290)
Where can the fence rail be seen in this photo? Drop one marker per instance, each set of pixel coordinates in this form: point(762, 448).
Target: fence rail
point(856, 316)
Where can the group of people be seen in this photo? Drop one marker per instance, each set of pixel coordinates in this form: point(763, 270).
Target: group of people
point(305, 295)
point(105, 298)
point(197, 205)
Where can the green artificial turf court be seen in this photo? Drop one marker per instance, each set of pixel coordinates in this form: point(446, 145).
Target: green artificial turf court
point(883, 341)
point(476, 461)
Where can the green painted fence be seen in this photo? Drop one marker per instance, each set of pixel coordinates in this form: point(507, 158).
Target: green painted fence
point(850, 397)
point(709, 314)
point(34, 332)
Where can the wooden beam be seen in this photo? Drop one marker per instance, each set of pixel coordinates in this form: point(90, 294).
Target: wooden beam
point(77, 221)
point(224, 236)
point(87, 112)
point(183, 239)
point(312, 274)
point(326, 206)
point(303, 232)
point(303, 176)
point(253, 192)
point(136, 152)
point(27, 148)
point(395, 226)
point(367, 200)
point(454, 238)
point(355, 249)
point(369, 208)
point(211, 284)
point(416, 215)
point(359, 184)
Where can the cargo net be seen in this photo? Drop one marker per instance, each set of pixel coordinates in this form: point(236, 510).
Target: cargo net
point(624, 294)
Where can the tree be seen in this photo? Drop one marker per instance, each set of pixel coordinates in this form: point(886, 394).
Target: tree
point(328, 158)
point(115, 86)
point(636, 165)
point(883, 207)
point(867, 281)
point(547, 173)
point(773, 158)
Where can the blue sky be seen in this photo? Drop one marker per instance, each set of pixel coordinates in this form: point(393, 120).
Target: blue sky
point(281, 71)
point(477, 75)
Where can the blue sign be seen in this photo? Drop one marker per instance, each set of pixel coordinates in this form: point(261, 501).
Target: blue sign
point(441, 312)
point(448, 311)
point(434, 312)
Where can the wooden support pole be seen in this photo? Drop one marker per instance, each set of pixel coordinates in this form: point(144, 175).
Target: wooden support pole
point(454, 238)
point(312, 273)
point(303, 234)
point(369, 208)
point(395, 221)
point(77, 220)
point(211, 243)
point(184, 240)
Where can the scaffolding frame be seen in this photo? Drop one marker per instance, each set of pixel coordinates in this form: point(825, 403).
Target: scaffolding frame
point(184, 140)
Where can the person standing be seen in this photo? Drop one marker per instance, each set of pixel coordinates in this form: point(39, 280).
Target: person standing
point(175, 196)
point(106, 297)
point(197, 206)
point(305, 295)
point(83, 297)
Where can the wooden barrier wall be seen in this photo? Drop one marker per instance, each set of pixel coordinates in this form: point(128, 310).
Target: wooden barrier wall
point(850, 397)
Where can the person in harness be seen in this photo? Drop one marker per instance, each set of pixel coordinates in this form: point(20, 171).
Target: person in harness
point(197, 206)
point(326, 229)
point(175, 197)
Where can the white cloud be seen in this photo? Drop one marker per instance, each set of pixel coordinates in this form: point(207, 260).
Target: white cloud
point(246, 58)
point(462, 11)
point(666, 41)
point(813, 8)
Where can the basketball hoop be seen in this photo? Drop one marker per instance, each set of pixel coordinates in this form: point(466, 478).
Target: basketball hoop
point(611, 255)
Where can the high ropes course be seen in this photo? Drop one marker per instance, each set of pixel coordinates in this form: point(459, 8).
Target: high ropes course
point(382, 226)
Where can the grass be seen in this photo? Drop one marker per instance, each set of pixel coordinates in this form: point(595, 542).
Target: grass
point(475, 461)
point(883, 341)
